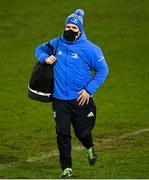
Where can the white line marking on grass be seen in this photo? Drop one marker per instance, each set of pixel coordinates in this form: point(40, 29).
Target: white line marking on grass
point(3, 166)
point(43, 156)
point(131, 134)
point(78, 148)
point(10, 165)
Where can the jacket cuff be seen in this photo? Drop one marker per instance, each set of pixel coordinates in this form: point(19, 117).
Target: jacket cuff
point(88, 91)
point(42, 57)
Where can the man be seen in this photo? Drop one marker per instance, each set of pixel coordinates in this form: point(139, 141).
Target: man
point(74, 86)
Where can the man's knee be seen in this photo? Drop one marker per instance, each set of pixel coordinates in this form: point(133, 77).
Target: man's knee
point(63, 136)
point(63, 131)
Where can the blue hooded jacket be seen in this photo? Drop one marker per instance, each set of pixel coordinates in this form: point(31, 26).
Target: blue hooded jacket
point(74, 62)
point(73, 66)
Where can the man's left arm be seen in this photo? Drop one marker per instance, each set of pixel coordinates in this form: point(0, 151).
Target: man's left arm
point(99, 65)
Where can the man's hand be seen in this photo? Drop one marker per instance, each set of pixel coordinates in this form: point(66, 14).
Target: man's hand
point(84, 97)
point(50, 60)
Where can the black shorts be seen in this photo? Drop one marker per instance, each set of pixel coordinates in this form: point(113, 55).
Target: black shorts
point(68, 111)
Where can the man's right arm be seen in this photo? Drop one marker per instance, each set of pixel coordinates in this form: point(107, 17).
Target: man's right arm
point(42, 52)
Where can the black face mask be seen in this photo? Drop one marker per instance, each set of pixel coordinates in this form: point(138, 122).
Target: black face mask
point(70, 35)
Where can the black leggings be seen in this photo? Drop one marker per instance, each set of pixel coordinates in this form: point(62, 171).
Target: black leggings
point(86, 141)
point(64, 146)
point(81, 117)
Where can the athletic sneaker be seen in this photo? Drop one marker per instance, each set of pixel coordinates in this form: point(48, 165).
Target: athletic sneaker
point(67, 173)
point(91, 156)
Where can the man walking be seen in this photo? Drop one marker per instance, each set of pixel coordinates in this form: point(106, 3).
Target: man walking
point(74, 86)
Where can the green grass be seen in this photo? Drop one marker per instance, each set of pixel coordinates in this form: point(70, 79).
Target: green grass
point(27, 127)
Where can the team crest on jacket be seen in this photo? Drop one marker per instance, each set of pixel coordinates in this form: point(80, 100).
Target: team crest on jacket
point(75, 56)
point(60, 53)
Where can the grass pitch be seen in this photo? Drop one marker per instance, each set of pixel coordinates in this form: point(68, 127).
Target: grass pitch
point(27, 135)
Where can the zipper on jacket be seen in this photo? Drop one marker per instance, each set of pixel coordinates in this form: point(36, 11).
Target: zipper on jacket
point(66, 72)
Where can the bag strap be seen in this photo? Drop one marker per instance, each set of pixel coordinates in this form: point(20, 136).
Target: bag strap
point(52, 48)
point(54, 53)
